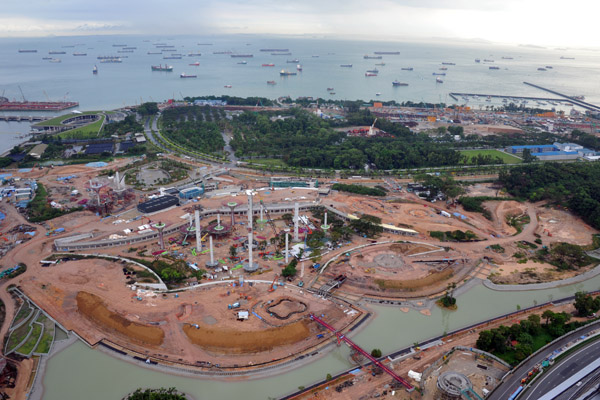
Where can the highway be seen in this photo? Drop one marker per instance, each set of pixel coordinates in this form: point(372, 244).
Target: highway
point(562, 370)
point(512, 382)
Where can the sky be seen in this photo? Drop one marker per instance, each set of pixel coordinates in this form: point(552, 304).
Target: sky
point(537, 22)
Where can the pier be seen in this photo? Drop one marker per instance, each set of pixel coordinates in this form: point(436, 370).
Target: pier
point(455, 96)
point(582, 104)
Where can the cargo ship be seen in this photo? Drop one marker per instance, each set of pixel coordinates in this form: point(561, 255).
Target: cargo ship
point(275, 50)
point(498, 68)
point(130, 48)
point(154, 52)
point(222, 52)
point(57, 52)
point(346, 65)
point(167, 68)
point(407, 69)
point(539, 69)
point(385, 53)
point(196, 64)
point(287, 73)
point(271, 83)
point(370, 74)
point(398, 83)
point(172, 58)
point(368, 57)
point(194, 54)
point(448, 63)
point(184, 75)
point(507, 58)
point(439, 73)
point(243, 62)
point(294, 61)
point(55, 60)
point(487, 60)
point(281, 54)
point(438, 80)
point(373, 71)
point(299, 67)
point(380, 64)
point(79, 54)
point(27, 51)
point(268, 65)
point(6, 105)
point(111, 60)
point(561, 57)
point(241, 55)
point(227, 86)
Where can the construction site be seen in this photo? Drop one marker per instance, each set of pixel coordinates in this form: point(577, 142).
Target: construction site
point(247, 275)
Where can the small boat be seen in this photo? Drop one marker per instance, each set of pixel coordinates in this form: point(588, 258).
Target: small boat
point(268, 65)
point(549, 66)
point(398, 83)
point(227, 86)
point(315, 56)
point(184, 75)
point(196, 64)
point(332, 93)
point(243, 62)
point(374, 71)
point(294, 61)
point(47, 58)
point(494, 67)
point(299, 67)
point(438, 80)
point(95, 70)
point(542, 69)
point(477, 60)
point(443, 68)
point(329, 89)
point(370, 74)
point(271, 83)
point(55, 60)
point(487, 60)
point(381, 64)
point(378, 94)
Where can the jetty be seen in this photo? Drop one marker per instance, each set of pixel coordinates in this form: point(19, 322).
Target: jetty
point(580, 103)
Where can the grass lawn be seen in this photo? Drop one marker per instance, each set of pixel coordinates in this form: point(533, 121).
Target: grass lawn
point(19, 334)
point(57, 121)
point(507, 158)
point(46, 340)
point(23, 313)
point(85, 132)
point(32, 340)
point(271, 162)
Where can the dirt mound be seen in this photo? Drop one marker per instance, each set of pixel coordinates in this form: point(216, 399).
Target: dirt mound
point(415, 284)
point(94, 308)
point(238, 341)
point(410, 248)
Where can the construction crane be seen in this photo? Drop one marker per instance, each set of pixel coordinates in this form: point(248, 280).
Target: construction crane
point(46, 94)
point(272, 287)
point(22, 95)
point(372, 128)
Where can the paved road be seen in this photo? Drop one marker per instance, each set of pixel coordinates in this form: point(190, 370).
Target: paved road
point(512, 382)
point(150, 135)
point(565, 368)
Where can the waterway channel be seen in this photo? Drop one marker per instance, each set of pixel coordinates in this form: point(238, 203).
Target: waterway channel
point(80, 372)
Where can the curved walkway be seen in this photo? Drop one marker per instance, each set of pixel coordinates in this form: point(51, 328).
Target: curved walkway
point(544, 285)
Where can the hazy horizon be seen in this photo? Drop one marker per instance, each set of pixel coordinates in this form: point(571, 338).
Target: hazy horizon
point(548, 23)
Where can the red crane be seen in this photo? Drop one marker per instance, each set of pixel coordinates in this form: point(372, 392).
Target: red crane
point(273, 283)
point(361, 351)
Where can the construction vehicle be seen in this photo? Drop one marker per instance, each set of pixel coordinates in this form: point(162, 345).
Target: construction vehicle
point(233, 306)
point(272, 287)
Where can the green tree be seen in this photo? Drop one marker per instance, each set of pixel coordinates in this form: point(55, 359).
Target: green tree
point(232, 251)
point(585, 304)
point(376, 353)
point(527, 156)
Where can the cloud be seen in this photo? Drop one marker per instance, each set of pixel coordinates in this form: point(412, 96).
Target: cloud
point(511, 21)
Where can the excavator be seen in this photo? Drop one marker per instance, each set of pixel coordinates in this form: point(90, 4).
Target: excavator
point(272, 287)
